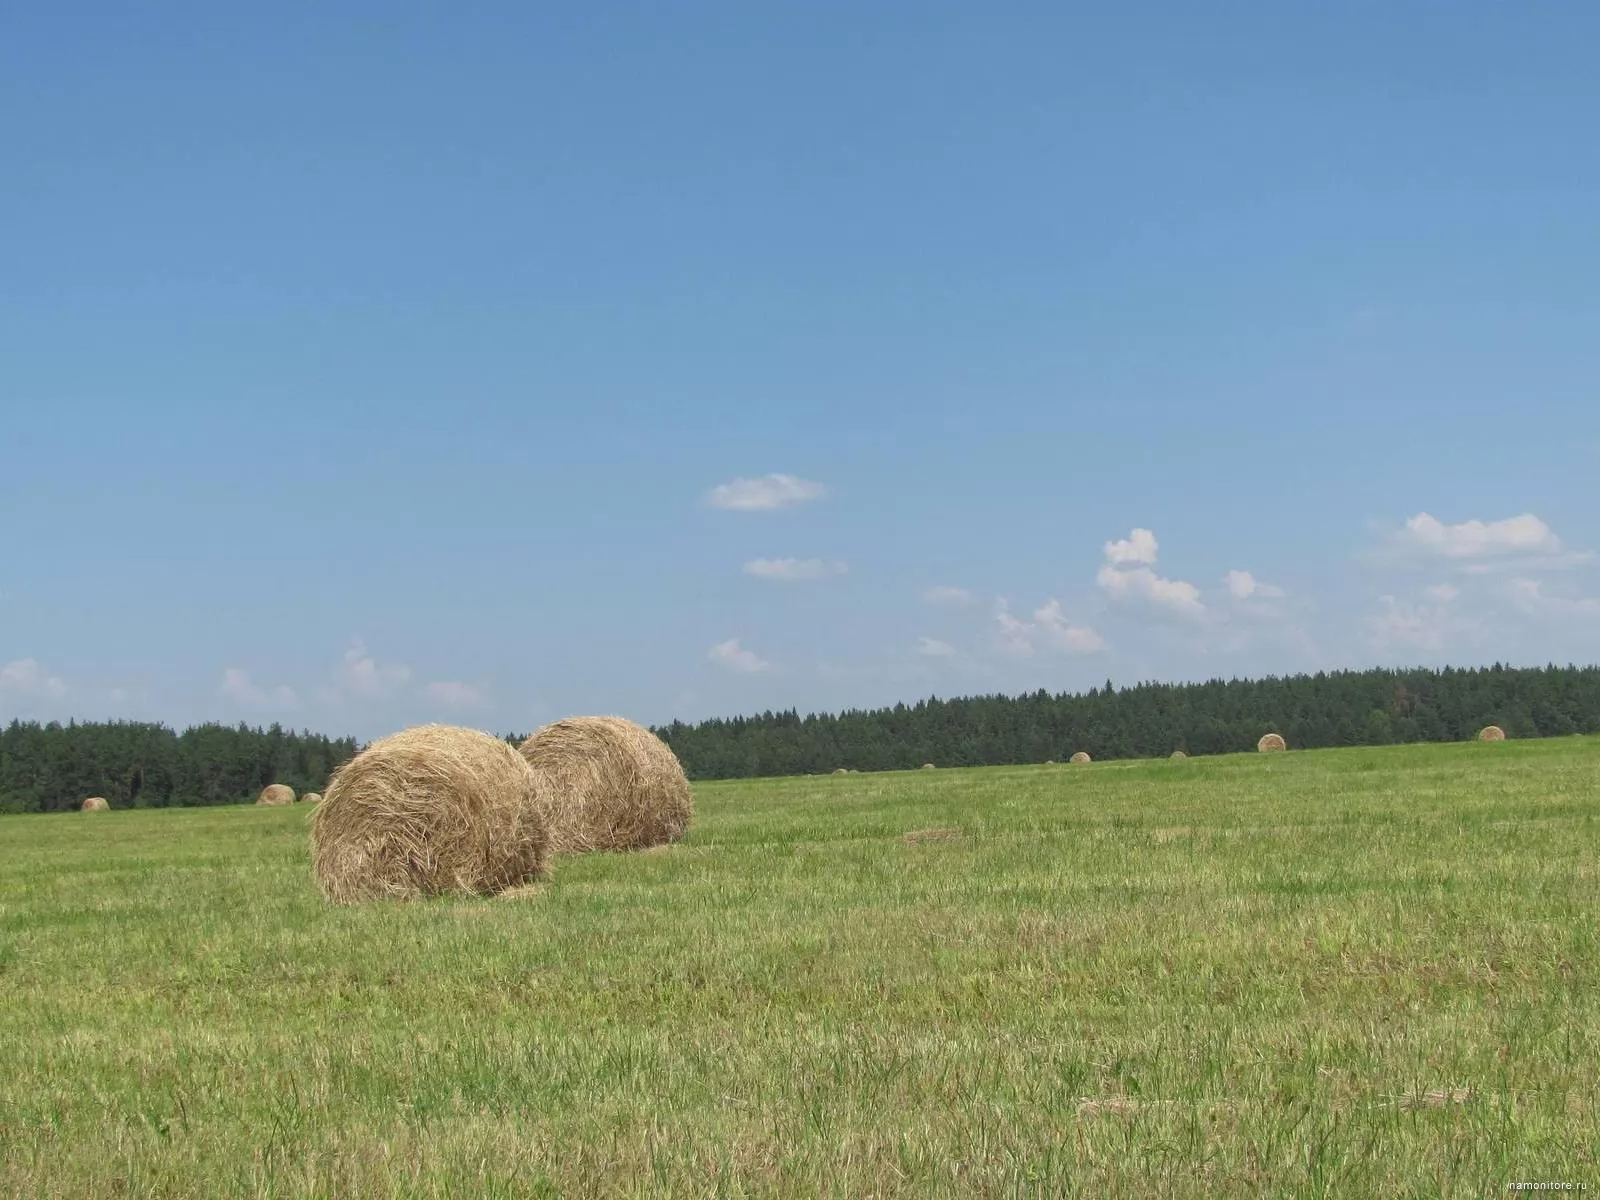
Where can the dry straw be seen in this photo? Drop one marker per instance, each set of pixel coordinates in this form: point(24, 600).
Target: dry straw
point(430, 810)
point(1177, 756)
point(95, 804)
point(1270, 742)
point(276, 793)
point(1491, 733)
point(606, 783)
point(311, 798)
point(1082, 756)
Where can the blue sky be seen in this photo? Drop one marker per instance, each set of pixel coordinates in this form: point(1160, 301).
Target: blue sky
point(416, 363)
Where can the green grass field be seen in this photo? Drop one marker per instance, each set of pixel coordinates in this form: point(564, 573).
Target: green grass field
point(1346, 973)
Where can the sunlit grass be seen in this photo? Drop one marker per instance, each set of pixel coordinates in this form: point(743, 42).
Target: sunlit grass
point(1363, 972)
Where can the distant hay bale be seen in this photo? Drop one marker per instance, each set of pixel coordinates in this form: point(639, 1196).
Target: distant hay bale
point(1270, 742)
point(1082, 756)
point(311, 798)
point(841, 770)
point(607, 783)
point(929, 767)
point(276, 793)
point(95, 804)
point(1049, 762)
point(1491, 733)
point(430, 810)
point(1177, 756)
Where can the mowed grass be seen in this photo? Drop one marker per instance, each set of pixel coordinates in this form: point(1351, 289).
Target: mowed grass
point(1352, 973)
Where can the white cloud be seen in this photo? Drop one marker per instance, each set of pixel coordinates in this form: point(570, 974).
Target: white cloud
point(362, 675)
point(764, 492)
point(1121, 581)
point(238, 687)
point(25, 677)
point(452, 694)
point(952, 596)
point(1049, 628)
point(1138, 547)
point(791, 570)
point(1175, 595)
point(733, 656)
point(1443, 593)
point(933, 648)
point(1426, 536)
point(1244, 586)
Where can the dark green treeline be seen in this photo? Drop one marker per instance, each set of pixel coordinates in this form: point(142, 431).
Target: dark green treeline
point(1363, 708)
point(51, 768)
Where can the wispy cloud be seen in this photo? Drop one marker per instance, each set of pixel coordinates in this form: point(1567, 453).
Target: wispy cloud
point(735, 657)
point(1244, 586)
point(1433, 624)
point(1529, 598)
point(793, 570)
point(241, 689)
point(25, 677)
point(1050, 629)
point(456, 695)
point(360, 674)
point(953, 597)
point(764, 492)
point(933, 648)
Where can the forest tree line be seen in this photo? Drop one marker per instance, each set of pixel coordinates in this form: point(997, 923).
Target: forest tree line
point(52, 768)
point(1347, 708)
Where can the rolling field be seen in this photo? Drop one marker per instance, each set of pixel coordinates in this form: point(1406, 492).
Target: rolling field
point(1346, 973)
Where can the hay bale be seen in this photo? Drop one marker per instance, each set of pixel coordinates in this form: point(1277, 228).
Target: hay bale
point(929, 767)
point(1049, 762)
point(276, 793)
point(1177, 756)
point(1082, 756)
point(1491, 733)
point(606, 783)
point(430, 810)
point(311, 798)
point(94, 804)
point(1271, 742)
point(841, 770)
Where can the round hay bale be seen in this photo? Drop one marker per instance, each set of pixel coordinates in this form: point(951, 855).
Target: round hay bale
point(1082, 756)
point(929, 767)
point(1491, 733)
point(426, 811)
point(276, 793)
point(606, 783)
point(94, 804)
point(841, 770)
point(1271, 742)
point(311, 798)
point(1177, 756)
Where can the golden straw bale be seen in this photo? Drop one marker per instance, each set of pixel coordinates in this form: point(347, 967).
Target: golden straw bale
point(429, 810)
point(607, 783)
